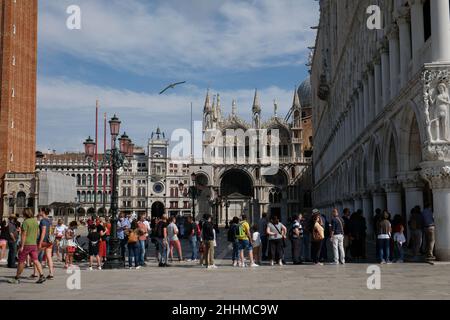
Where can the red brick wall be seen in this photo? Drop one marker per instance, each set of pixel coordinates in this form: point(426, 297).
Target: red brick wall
point(18, 139)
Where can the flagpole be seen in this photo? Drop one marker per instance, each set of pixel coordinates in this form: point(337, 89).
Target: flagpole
point(96, 158)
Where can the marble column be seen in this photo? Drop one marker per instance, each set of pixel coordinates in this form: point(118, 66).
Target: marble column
point(440, 31)
point(361, 107)
point(405, 47)
point(372, 111)
point(439, 180)
point(378, 85)
point(368, 212)
point(413, 186)
point(417, 32)
point(378, 199)
point(385, 70)
point(366, 101)
point(393, 198)
point(340, 207)
point(394, 59)
point(357, 203)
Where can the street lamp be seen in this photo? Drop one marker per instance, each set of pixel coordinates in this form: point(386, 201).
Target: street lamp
point(193, 193)
point(227, 205)
point(89, 147)
point(217, 203)
point(116, 158)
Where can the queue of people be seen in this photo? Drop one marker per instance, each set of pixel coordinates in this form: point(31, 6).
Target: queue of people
point(36, 242)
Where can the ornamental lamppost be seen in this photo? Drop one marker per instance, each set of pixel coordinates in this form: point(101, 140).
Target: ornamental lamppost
point(193, 193)
point(227, 205)
point(116, 158)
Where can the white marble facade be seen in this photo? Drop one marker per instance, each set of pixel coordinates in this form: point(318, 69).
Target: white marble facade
point(381, 112)
point(237, 175)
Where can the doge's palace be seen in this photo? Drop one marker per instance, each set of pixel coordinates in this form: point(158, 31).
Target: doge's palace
point(381, 110)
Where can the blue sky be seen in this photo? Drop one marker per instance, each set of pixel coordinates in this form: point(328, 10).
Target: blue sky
point(127, 51)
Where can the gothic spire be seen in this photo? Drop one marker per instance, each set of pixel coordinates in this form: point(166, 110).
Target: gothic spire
point(233, 108)
point(218, 108)
point(296, 103)
point(256, 105)
point(207, 107)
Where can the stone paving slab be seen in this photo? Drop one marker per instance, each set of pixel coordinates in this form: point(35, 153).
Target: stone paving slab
point(185, 281)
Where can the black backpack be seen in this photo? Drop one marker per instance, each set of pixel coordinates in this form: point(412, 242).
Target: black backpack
point(232, 233)
point(160, 230)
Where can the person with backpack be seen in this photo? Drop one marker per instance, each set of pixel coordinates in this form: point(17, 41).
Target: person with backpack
point(296, 237)
point(192, 232)
point(243, 235)
point(45, 243)
point(12, 237)
point(234, 241)
point(94, 246)
point(162, 238)
point(28, 247)
point(277, 234)
point(133, 246)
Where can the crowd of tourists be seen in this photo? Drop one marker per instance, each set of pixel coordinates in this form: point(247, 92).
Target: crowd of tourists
point(36, 242)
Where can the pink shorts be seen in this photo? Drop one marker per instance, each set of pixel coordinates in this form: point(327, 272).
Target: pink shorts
point(31, 251)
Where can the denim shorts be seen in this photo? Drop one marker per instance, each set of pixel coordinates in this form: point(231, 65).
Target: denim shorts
point(245, 245)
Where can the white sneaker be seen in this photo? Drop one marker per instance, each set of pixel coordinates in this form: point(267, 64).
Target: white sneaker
point(254, 265)
point(138, 267)
point(272, 263)
point(90, 269)
point(235, 264)
point(213, 266)
point(280, 263)
point(99, 268)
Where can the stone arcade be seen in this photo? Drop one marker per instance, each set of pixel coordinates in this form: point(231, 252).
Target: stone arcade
point(381, 110)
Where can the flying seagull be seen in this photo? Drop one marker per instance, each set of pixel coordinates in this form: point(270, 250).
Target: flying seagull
point(172, 86)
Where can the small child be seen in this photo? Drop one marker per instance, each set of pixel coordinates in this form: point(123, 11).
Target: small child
point(399, 240)
point(94, 246)
point(256, 244)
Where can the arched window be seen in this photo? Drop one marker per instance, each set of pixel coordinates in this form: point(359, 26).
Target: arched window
point(100, 180)
point(21, 200)
point(78, 180)
point(79, 196)
point(83, 196)
point(83, 180)
point(89, 179)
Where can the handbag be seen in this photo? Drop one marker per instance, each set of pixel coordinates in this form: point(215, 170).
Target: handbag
point(317, 236)
point(63, 243)
point(282, 238)
point(132, 237)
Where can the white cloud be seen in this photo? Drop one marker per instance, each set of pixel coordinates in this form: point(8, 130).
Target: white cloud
point(180, 36)
point(66, 110)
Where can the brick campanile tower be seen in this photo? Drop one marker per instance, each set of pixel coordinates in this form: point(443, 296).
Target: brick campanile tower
point(18, 65)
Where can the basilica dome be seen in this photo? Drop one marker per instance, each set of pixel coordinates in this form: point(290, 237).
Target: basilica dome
point(304, 93)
